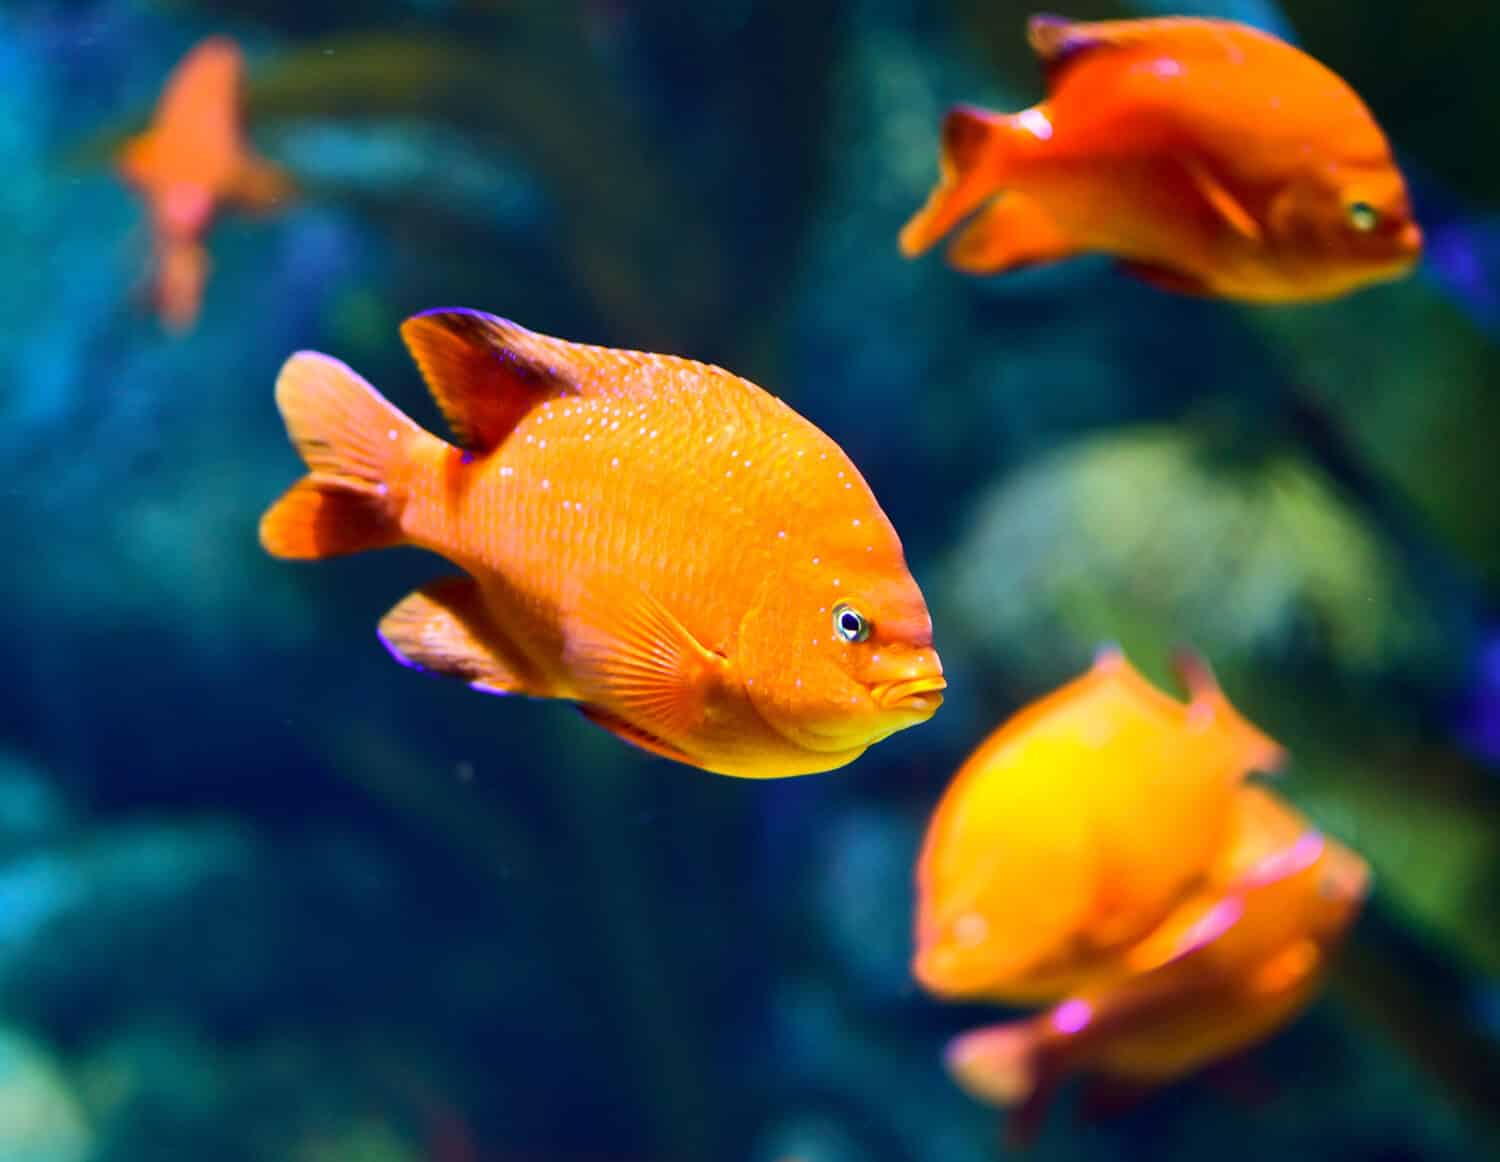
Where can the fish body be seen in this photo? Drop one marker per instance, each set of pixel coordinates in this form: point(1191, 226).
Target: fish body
point(1114, 796)
point(666, 544)
point(189, 163)
point(1235, 962)
point(1209, 157)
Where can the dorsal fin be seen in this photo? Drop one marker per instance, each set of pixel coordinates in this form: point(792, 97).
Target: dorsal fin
point(199, 104)
point(1058, 41)
point(485, 372)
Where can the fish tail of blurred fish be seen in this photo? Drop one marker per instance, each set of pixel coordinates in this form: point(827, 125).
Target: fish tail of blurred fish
point(355, 444)
point(181, 270)
point(977, 145)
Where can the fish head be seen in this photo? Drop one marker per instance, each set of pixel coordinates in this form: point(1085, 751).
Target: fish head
point(1344, 225)
point(837, 652)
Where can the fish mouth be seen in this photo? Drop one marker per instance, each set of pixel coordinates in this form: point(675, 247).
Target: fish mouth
point(919, 695)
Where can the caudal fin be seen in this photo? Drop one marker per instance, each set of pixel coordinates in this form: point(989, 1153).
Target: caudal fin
point(351, 439)
point(973, 155)
point(182, 267)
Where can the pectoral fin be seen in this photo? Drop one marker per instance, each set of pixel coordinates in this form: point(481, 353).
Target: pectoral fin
point(637, 662)
point(1193, 926)
point(634, 736)
point(1166, 278)
point(1224, 203)
point(444, 627)
point(1288, 970)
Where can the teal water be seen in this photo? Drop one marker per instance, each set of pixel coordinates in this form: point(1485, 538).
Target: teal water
point(265, 895)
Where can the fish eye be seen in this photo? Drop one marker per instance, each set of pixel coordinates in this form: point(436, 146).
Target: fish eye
point(1363, 216)
point(849, 623)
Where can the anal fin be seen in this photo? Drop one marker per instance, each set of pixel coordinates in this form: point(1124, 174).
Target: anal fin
point(1012, 231)
point(444, 627)
point(1166, 278)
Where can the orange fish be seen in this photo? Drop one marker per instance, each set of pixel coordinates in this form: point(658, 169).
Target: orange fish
point(669, 546)
point(1209, 157)
point(1074, 829)
point(191, 161)
point(1233, 964)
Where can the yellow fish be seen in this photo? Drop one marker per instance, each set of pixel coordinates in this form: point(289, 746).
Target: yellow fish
point(700, 569)
point(1234, 963)
point(1074, 829)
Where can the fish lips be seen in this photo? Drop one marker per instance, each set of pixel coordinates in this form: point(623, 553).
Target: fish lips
point(911, 695)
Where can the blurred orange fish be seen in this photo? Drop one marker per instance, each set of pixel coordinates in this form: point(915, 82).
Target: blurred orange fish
point(1210, 157)
point(191, 161)
point(1074, 829)
point(662, 542)
point(1234, 963)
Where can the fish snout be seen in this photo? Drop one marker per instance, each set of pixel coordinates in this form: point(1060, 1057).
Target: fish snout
point(1409, 240)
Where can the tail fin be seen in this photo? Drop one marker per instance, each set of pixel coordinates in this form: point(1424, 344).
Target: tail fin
point(969, 165)
point(182, 267)
point(351, 439)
